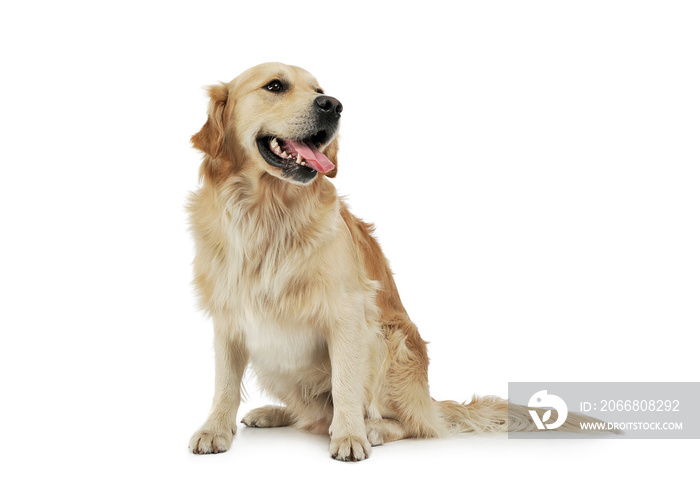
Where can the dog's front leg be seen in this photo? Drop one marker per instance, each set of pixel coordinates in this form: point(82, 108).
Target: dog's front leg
point(231, 358)
point(350, 348)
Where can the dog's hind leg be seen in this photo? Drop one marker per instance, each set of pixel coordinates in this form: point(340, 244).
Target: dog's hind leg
point(381, 431)
point(268, 417)
point(406, 393)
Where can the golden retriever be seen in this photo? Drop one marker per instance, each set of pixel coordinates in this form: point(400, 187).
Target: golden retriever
point(298, 287)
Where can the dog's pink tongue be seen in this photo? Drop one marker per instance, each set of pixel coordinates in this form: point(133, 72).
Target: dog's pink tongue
point(312, 156)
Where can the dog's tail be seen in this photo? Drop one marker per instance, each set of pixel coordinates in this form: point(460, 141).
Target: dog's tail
point(491, 414)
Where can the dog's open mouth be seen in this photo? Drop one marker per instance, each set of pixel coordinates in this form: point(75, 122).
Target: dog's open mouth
point(301, 158)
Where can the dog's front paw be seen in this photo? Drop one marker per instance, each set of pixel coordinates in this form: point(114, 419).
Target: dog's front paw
point(349, 448)
point(211, 441)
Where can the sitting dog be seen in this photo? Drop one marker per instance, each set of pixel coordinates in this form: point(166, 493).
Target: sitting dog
point(298, 287)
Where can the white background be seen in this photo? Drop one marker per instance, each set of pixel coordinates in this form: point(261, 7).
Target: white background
point(532, 168)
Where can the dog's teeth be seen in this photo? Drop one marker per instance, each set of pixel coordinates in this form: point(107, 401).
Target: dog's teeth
point(298, 159)
point(303, 163)
point(284, 155)
point(274, 143)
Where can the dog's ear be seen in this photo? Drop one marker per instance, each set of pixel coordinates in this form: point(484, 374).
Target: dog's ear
point(210, 138)
point(332, 153)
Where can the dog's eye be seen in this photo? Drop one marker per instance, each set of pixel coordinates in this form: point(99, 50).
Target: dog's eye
point(319, 91)
point(275, 85)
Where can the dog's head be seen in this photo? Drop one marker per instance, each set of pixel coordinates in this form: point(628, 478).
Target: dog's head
point(275, 118)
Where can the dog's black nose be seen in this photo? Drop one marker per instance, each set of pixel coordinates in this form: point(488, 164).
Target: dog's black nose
point(329, 105)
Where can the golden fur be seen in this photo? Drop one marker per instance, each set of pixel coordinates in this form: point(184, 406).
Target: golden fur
point(298, 288)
